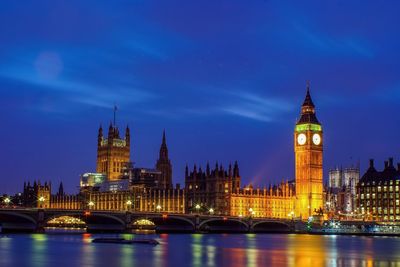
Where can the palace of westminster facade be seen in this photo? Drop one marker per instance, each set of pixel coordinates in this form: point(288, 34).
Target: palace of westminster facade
point(118, 185)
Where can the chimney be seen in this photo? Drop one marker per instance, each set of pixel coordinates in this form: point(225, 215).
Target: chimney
point(371, 163)
point(386, 164)
point(390, 162)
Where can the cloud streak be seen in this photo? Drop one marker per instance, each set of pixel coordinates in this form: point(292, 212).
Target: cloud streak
point(255, 107)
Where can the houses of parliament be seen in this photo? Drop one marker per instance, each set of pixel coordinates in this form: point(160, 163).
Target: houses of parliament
point(119, 185)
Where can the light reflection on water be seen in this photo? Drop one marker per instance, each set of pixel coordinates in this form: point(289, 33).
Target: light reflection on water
point(200, 250)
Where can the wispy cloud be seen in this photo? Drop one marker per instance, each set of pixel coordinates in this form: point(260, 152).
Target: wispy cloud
point(256, 107)
point(334, 44)
point(78, 91)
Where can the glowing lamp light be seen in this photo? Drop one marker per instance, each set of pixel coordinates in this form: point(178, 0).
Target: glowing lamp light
point(129, 202)
point(197, 207)
point(7, 200)
point(158, 207)
point(41, 199)
point(251, 210)
point(211, 211)
point(91, 203)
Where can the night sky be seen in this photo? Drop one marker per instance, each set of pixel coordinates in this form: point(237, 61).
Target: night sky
point(224, 78)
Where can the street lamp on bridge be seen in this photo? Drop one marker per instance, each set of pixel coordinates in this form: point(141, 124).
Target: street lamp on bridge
point(91, 204)
point(129, 204)
point(197, 207)
point(7, 201)
point(251, 212)
point(41, 201)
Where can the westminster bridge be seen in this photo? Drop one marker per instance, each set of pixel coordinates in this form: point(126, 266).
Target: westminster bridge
point(18, 219)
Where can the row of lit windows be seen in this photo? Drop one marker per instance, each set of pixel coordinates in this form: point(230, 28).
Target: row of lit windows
point(379, 196)
point(380, 189)
point(380, 182)
point(379, 203)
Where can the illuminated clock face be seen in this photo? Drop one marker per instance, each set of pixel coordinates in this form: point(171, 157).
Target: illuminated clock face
point(316, 139)
point(301, 139)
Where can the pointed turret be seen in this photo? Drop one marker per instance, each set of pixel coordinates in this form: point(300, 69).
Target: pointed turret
point(186, 171)
point(308, 109)
point(308, 101)
point(208, 169)
point(61, 189)
point(236, 170)
point(127, 136)
point(110, 131)
point(164, 142)
point(100, 136)
point(164, 164)
point(164, 148)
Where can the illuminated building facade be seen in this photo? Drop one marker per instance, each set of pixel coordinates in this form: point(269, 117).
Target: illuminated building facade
point(138, 199)
point(218, 191)
point(113, 152)
point(117, 185)
point(342, 192)
point(378, 193)
point(308, 148)
point(37, 195)
point(211, 189)
point(274, 202)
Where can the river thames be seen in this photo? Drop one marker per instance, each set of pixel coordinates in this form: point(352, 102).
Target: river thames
point(200, 250)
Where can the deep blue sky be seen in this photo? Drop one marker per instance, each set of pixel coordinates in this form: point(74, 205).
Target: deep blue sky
point(224, 78)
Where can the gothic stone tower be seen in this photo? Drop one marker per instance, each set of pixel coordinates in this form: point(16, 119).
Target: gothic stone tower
point(113, 152)
point(308, 142)
point(164, 165)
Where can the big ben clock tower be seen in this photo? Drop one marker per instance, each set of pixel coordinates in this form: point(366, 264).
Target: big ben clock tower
point(308, 143)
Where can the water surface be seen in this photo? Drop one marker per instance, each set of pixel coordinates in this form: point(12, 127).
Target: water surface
point(200, 250)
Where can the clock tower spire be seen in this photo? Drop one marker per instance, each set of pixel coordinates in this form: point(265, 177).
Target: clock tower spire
point(308, 148)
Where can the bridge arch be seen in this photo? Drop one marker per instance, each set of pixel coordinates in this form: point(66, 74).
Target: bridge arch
point(270, 226)
point(222, 224)
point(168, 222)
point(96, 221)
point(90, 218)
point(17, 215)
point(50, 217)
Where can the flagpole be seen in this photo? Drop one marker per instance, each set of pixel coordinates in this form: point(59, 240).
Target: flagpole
point(115, 111)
